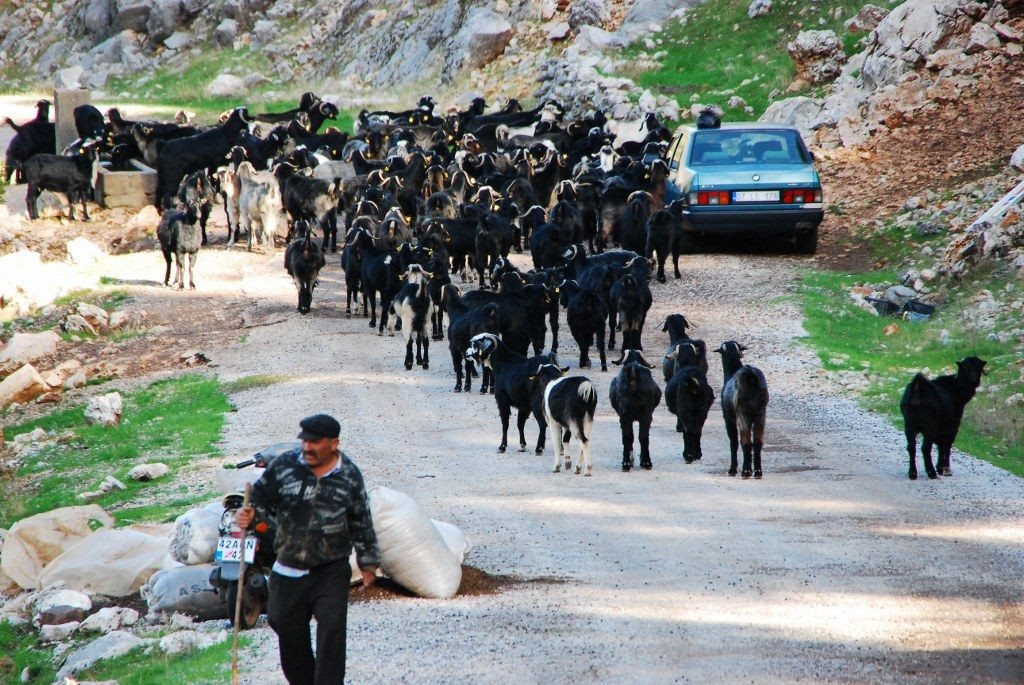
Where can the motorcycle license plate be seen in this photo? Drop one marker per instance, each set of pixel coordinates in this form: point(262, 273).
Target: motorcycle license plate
point(230, 549)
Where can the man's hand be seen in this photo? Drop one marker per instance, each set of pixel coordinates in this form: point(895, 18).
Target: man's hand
point(244, 517)
point(369, 578)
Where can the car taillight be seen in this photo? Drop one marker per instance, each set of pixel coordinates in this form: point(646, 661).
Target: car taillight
point(714, 197)
point(801, 196)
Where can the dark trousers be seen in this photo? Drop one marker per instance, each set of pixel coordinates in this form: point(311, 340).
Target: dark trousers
point(322, 593)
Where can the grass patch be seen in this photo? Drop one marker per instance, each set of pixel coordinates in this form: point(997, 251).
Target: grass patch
point(18, 651)
point(847, 338)
point(718, 52)
point(173, 421)
point(253, 382)
point(210, 666)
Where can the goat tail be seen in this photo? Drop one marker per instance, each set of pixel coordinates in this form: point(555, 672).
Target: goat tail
point(919, 390)
point(588, 393)
point(748, 381)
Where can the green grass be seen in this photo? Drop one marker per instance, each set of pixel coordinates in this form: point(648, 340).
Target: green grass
point(173, 421)
point(253, 382)
point(848, 338)
point(706, 56)
point(18, 650)
point(210, 666)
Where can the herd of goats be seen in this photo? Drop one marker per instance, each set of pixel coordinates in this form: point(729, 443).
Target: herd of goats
point(422, 197)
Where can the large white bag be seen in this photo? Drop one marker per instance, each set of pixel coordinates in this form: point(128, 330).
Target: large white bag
point(34, 542)
point(185, 590)
point(453, 537)
point(412, 550)
point(112, 562)
point(195, 536)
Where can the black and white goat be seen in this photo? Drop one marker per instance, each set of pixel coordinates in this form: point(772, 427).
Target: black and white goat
point(569, 404)
point(744, 407)
point(303, 260)
point(934, 409)
point(635, 395)
point(412, 304)
point(180, 236)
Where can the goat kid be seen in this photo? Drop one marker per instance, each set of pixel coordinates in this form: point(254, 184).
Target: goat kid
point(568, 404)
point(303, 260)
point(744, 406)
point(634, 396)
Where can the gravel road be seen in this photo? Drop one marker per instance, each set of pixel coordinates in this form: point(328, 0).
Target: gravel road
point(834, 568)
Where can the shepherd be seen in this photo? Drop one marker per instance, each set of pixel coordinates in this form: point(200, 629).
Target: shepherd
point(318, 498)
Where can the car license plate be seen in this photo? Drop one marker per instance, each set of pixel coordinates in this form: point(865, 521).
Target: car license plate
point(755, 196)
point(230, 549)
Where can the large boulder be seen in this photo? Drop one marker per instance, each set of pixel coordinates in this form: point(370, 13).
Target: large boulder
point(105, 410)
point(483, 37)
point(24, 385)
point(867, 19)
point(818, 55)
point(982, 39)
point(225, 32)
point(910, 33)
point(83, 251)
point(164, 18)
point(133, 14)
point(1017, 159)
point(643, 13)
point(759, 8)
point(97, 16)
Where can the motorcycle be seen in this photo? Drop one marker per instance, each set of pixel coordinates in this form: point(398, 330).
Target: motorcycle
point(259, 549)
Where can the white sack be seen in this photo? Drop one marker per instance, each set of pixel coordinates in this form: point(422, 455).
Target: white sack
point(453, 537)
point(195, 536)
point(412, 550)
point(112, 562)
point(234, 480)
point(34, 542)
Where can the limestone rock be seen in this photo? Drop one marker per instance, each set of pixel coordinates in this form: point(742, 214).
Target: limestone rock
point(983, 38)
point(178, 40)
point(190, 641)
point(483, 37)
point(69, 78)
point(818, 55)
point(225, 32)
point(83, 251)
point(111, 645)
point(27, 347)
point(75, 323)
point(97, 16)
point(133, 14)
point(226, 85)
point(1017, 159)
point(867, 19)
point(164, 17)
point(147, 472)
point(76, 380)
point(57, 632)
point(50, 598)
point(803, 112)
point(559, 31)
point(104, 409)
point(24, 385)
point(109, 619)
point(96, 316)
point(588, 13)
point(759, 8)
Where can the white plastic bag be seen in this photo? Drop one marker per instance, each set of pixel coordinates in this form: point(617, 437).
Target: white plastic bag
point(184, 590)
point(112, 562)
point(195, 536)
point(412, 550)
point(34, 542)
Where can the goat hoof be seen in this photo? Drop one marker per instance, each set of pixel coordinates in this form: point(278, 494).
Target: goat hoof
point(646, 466)
point(348, 315)
point(539, 451)
point(758, 475)
point(579, 470)
point(501, 450)
point(522, 449)
point(458, 388)
point(557, 469)
point(689, 460)
point(408, 367)
point(746, 475)
point(912, 476)
point(626, 467)
point(662, 279)
point(947, 472)
point(732, 472)
point(932, 475)
point(426, 365)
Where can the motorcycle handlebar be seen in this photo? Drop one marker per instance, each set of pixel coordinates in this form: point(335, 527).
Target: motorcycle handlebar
point(243, 464)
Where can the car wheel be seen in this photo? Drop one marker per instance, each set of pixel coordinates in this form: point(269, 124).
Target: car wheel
point(687, 242)
point(807, 241)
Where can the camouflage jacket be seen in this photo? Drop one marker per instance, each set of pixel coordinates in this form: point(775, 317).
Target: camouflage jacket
point(318, 519)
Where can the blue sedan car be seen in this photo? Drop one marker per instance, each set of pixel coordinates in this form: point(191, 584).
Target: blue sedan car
point(745, 178)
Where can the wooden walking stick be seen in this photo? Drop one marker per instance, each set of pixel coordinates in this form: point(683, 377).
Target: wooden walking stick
point(239, 593)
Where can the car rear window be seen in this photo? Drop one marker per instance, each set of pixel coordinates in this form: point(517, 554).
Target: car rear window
point(728, 146)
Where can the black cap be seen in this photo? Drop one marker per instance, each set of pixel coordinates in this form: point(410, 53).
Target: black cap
point(319, 426)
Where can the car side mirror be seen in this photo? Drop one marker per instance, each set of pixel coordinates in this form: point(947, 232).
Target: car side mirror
point(811, 153)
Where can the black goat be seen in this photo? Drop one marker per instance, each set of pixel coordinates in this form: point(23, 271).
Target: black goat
point(689, 397)
point(310, 199)
point(568, 404)
point(632, 300)
point(634, 396)
point(352, 265)
point(303, 260)
point(206, 150)
point(307, 103)
point(521, 315)
point(381, 271)
point(744, 405)
point(665, 237)
point(587, 314)
point(180, 236)
point(631, 226)
point(676, 325)
point(464, 323)
point(74, 176)
point(36, 136)
point(512, 384)
point(934, 409)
